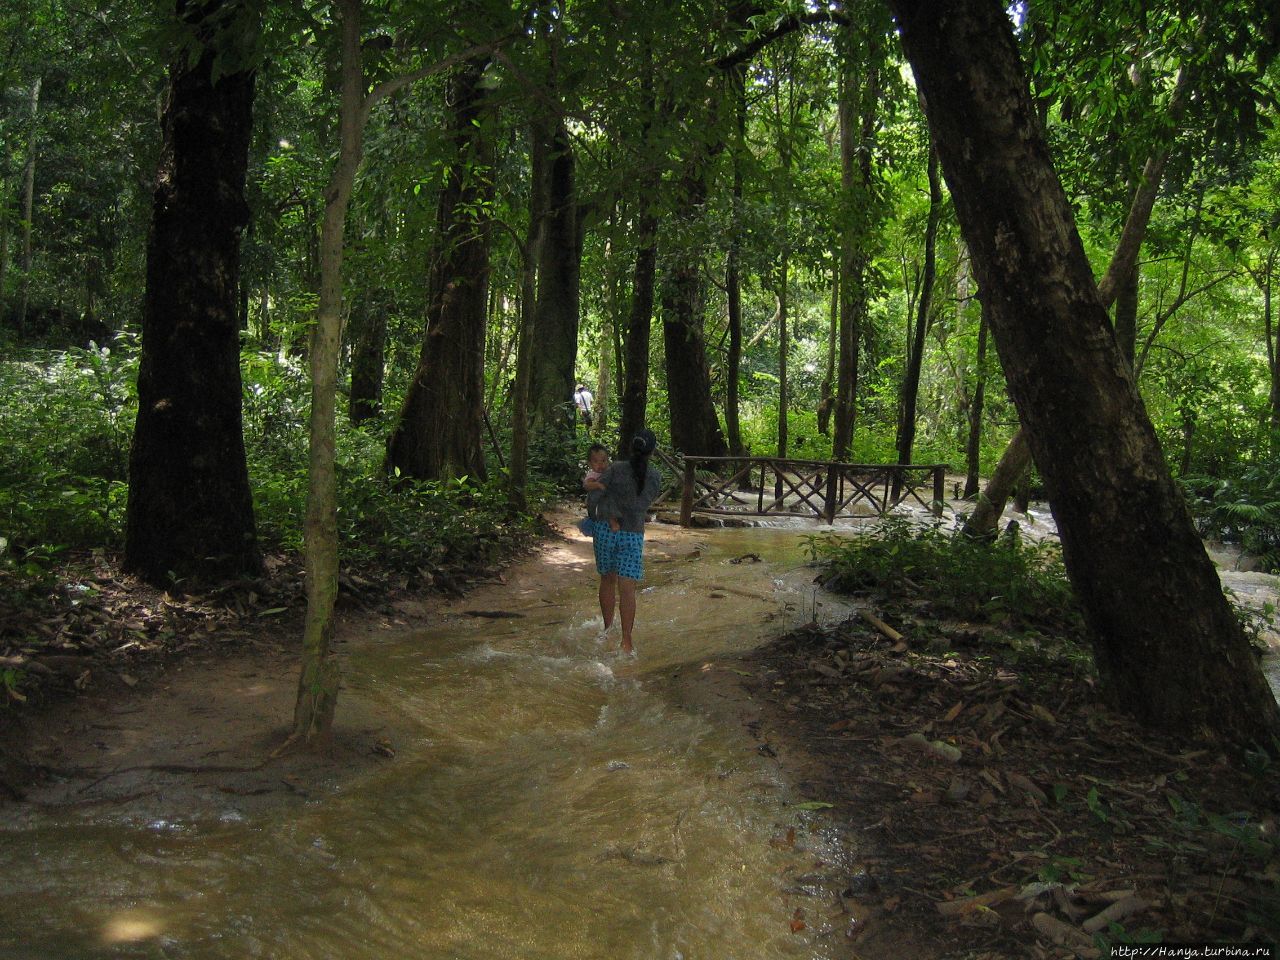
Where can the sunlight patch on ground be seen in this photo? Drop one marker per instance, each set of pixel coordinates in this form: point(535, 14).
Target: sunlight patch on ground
point(132, 926)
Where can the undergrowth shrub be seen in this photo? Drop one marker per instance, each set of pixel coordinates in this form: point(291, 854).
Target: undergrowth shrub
point(66, 419)
point(66, 422)
point(1243, 509)
point(1016, 579)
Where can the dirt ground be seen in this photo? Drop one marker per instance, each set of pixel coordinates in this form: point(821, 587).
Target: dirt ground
point(995, 807)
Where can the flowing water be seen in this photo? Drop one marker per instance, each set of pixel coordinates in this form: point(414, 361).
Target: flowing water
point(547, 800)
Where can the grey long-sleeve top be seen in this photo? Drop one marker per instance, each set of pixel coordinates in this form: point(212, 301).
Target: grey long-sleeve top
point(623, 500)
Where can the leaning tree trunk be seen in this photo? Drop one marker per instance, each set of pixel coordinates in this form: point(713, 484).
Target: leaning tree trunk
point(441, 428)
point(1166, 642)
point(984, 522)
point(189, 517)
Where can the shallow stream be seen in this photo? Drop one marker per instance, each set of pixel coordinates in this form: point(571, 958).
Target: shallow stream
point(547, 800)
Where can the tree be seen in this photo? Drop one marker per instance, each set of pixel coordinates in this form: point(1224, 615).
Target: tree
point(924, 306)
point(439, 432)
point(318, 678)
point(190, 512)
point(1167, 644)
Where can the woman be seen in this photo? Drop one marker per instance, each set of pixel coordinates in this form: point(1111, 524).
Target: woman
point(630, 486)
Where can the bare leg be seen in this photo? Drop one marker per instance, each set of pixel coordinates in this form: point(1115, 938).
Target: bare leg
point(627, 605)
point(608, 588)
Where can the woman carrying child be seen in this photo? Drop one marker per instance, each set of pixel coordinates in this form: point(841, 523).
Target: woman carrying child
point(630, 487)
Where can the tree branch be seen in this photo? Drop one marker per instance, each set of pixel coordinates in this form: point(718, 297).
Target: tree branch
point(388, 87)
point(780, 29)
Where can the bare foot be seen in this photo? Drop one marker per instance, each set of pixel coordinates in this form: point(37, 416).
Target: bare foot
point(627, 649)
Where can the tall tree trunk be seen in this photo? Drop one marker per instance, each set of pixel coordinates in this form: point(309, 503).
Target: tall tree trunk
point(5, 209)
point(318, 678)
point(1166, 642)
point(368, 331)
point(635, 389)
point(858, 102)
point(784, 392)
point(441, 428)
point(559, 269)
point(518, 472)
point(189, 516)
point(826, 399)
point(973, 443)
point(608, 329)
point(28, 207)
point(1273, 345)
point(924, 304)
point(732, 267)
point(695, 428)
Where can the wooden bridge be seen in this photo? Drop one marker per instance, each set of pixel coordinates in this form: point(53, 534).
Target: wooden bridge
point(773, 487)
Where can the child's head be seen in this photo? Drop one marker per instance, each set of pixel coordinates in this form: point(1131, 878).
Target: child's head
point(597, 457)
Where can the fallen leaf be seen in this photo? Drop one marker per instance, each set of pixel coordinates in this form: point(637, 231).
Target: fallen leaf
point(797, 921)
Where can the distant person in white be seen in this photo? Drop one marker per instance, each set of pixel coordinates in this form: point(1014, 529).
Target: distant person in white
point(582, 399)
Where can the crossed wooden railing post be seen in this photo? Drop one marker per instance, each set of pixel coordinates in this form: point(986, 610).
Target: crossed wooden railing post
point(819, 486)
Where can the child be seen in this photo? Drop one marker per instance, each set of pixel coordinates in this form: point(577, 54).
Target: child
point(597, 464)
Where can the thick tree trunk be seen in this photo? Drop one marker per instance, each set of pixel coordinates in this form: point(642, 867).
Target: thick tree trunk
point(924, 304)
point(368, 327)
point(189, 517)
point(635, 387)
point(1166, 642)
point(695, 428)
point(518, 473)
point(559, 269)
point(28, 207)
point(441, 427)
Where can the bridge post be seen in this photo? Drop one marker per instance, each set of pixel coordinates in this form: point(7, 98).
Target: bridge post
point(686, 498)
point(939, 487)
point(829, 508)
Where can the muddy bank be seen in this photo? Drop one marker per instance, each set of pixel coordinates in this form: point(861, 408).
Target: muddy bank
point(994, 806)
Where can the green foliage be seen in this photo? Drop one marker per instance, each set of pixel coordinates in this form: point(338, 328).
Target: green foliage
point(64, 442)
point(1011, 580)
point(1243, 509)
point(65, 429)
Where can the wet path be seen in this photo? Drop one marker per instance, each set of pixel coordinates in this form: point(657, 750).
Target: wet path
point(547, 800)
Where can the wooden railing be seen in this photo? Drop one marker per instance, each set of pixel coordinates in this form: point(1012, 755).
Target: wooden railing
point(768, 486)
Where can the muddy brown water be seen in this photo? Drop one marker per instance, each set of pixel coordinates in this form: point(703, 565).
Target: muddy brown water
point(547, 800)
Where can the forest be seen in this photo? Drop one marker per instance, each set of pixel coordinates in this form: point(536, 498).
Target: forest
point(298, 645)
point(321, 280)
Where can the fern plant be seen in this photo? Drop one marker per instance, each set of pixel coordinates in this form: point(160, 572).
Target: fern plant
point(1244, 509)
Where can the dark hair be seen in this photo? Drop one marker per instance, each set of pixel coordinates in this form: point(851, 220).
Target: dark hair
point(642, 444)
point(596, 448)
